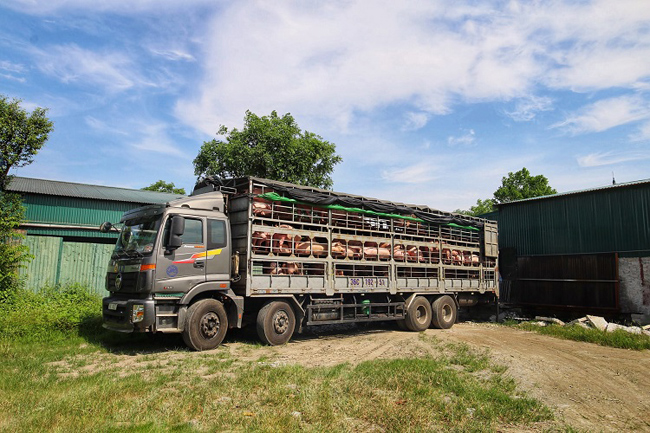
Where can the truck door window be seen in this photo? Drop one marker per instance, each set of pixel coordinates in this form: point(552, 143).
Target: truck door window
point(193, 232)
point(216, 234)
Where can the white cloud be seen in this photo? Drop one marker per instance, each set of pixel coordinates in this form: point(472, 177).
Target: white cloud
point(642, 134)
point(174, 54)
point(338, 59)
point(466, 139)
point(606, 114)
point(154, 138)
point(112, 71)
point(608, 158)
point(12, 71)
point(418, 173)
point(103, 126)
point(527, 108)
point(42, 7)
point(415, 121)
point(11, 67)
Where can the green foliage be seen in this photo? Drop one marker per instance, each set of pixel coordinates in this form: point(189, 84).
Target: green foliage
point(162, 186)
point(54, 312)
point(482, 207)
point(619, 338)
point(13, 254)
point(21, 136)
point(271, 147)
point(521, 185)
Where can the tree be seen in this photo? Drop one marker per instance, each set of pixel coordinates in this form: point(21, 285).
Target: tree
point(482, 207)
point(13, 254)
point(521, 185)
point(162, 186)
point(21, 136)
point(271, 147)
point(515, 186)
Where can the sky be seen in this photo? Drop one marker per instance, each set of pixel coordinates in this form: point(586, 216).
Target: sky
point(428, 102)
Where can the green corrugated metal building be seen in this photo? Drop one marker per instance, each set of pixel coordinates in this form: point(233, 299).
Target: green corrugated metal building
point(615, 218)
point(587, 248)
point(62, 228)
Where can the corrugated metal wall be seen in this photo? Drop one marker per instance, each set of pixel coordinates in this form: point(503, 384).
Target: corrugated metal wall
point(59, 262)
point(72, 211)
point(599, 221)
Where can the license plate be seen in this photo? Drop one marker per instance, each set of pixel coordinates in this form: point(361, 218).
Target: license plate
point(112, 306)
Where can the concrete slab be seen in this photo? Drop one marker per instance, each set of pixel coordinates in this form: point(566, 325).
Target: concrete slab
point(597, 322)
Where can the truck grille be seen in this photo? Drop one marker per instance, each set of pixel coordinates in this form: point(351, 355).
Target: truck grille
point(129, 282)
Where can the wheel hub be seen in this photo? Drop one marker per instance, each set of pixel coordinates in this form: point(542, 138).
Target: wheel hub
point(281, 322)
point(210, 325)
point(420, 314)
point(446, 313)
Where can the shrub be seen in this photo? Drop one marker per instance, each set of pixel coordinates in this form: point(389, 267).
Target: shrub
point(52, 312)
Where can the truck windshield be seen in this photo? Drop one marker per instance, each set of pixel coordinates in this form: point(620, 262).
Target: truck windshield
point(137, 238)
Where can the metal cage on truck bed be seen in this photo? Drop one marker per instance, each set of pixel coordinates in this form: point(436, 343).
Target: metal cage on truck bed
point(296, 240)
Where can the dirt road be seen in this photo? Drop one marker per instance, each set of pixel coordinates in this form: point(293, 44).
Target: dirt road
point(588, 386)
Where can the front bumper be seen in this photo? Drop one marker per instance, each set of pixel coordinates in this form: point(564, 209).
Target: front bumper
point(117, 314)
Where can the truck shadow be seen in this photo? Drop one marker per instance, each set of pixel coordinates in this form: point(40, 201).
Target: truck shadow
point(118, 343)
point(139, 344)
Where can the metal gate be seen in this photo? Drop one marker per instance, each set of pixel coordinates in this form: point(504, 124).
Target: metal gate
point(585, 282)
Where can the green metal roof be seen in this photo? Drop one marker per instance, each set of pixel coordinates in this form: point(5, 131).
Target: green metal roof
point(54, 208)
point(81, 190)
point(581, 191)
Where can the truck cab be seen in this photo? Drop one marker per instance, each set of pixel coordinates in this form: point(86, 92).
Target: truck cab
point(167, 257)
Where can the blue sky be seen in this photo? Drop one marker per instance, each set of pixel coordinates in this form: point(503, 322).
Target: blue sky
point(428, 102)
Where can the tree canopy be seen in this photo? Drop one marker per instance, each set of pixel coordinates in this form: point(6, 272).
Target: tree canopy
point(481, 207)
point(514, 186)
point(21, 135)
point(521, 185)
point(162, 186)
point(271, 147)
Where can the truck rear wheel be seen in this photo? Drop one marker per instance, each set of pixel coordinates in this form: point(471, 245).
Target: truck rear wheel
point(418, 315)
point(276, 322)
point(444, 312)
point(206, 324)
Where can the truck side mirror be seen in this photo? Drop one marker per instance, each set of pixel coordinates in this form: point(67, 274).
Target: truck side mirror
point(105, 227)
point(176, 230)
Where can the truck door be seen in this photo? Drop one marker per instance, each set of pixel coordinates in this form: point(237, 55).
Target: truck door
point(181, 269)
point(218, 251)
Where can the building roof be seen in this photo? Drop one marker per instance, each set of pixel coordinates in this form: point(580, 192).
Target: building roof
point(82, 190)
point(582, 191)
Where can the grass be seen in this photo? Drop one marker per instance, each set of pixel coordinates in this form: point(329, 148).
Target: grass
point(618, 339)
point(214, 392)
point(63, 373)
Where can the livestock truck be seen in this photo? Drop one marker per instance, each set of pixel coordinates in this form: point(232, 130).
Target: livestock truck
point(283, 256)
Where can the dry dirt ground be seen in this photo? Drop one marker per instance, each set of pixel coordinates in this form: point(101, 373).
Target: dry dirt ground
point(590, 387)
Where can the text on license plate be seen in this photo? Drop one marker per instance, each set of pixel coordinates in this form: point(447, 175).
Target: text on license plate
point(112, 306)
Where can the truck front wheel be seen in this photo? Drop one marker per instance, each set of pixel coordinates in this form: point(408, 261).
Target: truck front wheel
point(444, 312)
point(276, 322)
point(206, 324)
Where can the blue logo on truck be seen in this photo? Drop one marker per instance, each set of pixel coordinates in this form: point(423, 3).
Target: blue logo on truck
point(172, 271)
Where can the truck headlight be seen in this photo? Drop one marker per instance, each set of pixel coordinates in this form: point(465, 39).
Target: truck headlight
point(137, 313)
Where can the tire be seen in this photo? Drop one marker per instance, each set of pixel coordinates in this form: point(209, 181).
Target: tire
point(444, 312)
point(276, 322)
point(206, 324)
point(418, 315)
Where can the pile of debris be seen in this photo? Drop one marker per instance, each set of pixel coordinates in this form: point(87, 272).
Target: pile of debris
point(590, 322)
